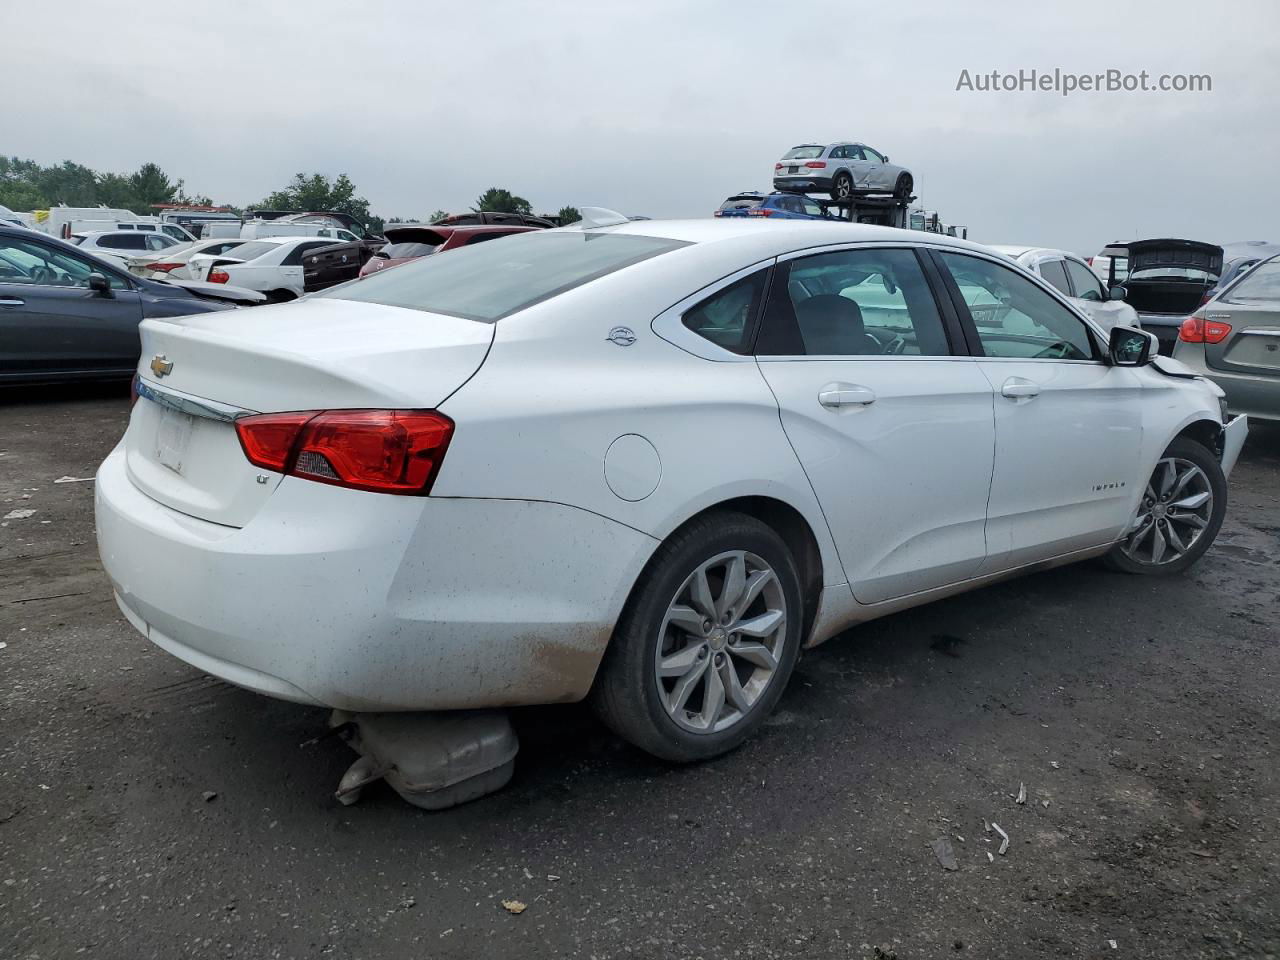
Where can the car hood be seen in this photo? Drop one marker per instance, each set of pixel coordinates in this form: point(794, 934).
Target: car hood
point(1146, 254)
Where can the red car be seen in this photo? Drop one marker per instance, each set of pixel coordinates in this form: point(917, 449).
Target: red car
point(411, 241)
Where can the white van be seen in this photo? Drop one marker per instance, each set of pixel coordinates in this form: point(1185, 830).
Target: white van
point(260, 229)
point(64, 221)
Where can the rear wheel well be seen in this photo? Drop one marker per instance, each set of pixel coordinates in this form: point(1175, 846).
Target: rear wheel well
point(1207, 433)
point(795, 531)
point(281, 296)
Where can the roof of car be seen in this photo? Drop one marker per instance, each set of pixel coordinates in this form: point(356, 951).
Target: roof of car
point(773, 233)
point(1018, 250)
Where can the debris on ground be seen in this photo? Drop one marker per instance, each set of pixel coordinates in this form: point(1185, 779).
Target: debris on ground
point(946, 855)
point(1004, 838)
point(1022, 794)
point(514, 906)
point(72, 479)
point(991, 857)
point(552, 876)
point(1055, 764)
point(1045, 804)
point(18, 514)
point(1113, 945)
point(209, 795)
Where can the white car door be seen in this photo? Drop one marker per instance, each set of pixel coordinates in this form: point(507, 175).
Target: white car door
point(1068, 426)
point(1088, 294)
point(894, 432)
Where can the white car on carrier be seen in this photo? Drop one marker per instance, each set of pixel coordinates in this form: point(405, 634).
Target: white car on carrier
point(646, 462)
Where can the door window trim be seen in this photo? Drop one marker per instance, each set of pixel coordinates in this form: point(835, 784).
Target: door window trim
point(946, 312)
point(971, 329)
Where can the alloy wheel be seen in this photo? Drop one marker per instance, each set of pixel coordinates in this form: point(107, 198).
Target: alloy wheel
point(844, 187)
point(720, 642)
point(1176, 508)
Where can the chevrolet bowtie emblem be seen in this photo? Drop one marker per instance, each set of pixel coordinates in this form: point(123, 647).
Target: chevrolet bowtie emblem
point(160, 365)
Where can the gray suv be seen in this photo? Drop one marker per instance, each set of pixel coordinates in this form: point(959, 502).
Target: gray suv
point(844, 170)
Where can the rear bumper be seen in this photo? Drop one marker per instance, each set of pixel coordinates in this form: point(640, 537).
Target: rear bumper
point(364, 602)
point(802, 184)
point(1255, 397)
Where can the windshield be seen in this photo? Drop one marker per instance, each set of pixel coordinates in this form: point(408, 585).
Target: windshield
point(406, 251)
point(488, 281)
point(803, 153)
point(1260, 283)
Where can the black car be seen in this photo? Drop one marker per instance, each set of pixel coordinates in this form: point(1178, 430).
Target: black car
point(68, 315)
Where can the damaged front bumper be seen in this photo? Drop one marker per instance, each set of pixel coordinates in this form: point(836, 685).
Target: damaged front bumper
point(1233, 434)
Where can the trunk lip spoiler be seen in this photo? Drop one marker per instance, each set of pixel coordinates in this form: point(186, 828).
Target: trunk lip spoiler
point(190, 404)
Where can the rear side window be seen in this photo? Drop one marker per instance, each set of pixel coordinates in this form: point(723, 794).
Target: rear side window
point(803, 153)
point(1055, 274)
point(727, 317)
point(489, 281)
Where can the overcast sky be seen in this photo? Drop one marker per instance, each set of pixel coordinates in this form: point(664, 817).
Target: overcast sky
point(664, 108)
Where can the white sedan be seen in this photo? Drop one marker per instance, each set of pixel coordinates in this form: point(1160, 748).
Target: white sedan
point(271, 265)
point(162, 264)
point(647, 462)
point(1076, 281)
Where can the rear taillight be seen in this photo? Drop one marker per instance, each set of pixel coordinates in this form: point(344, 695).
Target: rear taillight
point(761, 212)
point(218, 276)
point(777, 166)
point(163, 267)
point(385, 451)
point(816, 164)
point(1197, 329)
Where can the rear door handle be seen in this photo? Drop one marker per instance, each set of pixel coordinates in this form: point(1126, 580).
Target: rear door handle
point(11, 302)
point(1016, 388)
point(836, 395)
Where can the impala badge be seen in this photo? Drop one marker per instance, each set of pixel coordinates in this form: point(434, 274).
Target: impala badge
point(161, 366)
point(622, 336)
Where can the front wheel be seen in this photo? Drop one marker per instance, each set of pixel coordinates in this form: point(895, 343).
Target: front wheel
point(1179, 515)
point(706, 643)
point(902, 189)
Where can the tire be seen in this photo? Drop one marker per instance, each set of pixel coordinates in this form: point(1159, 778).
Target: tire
point(842, 186)
point(902, 189)
point(1165, 537)
point(646, 709)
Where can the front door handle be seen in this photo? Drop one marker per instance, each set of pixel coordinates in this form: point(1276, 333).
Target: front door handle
point(1016, 388)
point(836, 395)
point(11, 302)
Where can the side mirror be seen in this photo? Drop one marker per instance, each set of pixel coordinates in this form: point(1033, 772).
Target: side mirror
point(1131, 347)
point(886, 158)
point(99, 284)
point(1118, 292)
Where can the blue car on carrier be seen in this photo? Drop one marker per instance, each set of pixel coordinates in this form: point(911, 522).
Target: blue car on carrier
point(786, 206)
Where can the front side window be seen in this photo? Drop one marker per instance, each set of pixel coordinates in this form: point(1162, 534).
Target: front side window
point(852, 303)
point(1013, 316)
point(1055, 273)
point(871, 155)
point(489, 281)
point(33, 263)
point(810, 207)
point(1085, 281)
point(726, 317)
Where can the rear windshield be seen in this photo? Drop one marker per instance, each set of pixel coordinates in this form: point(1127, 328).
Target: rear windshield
point(251, 251)
point(1260, 283)
point(741, 203)
point(489, 281)
point(407, 251)
point(803, 153)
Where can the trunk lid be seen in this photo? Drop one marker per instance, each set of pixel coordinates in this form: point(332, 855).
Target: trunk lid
point(198, 373)
point(1253, 346)
point(1169, 276)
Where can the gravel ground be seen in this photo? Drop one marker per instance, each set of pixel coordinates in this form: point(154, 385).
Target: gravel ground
point(1141, 716)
